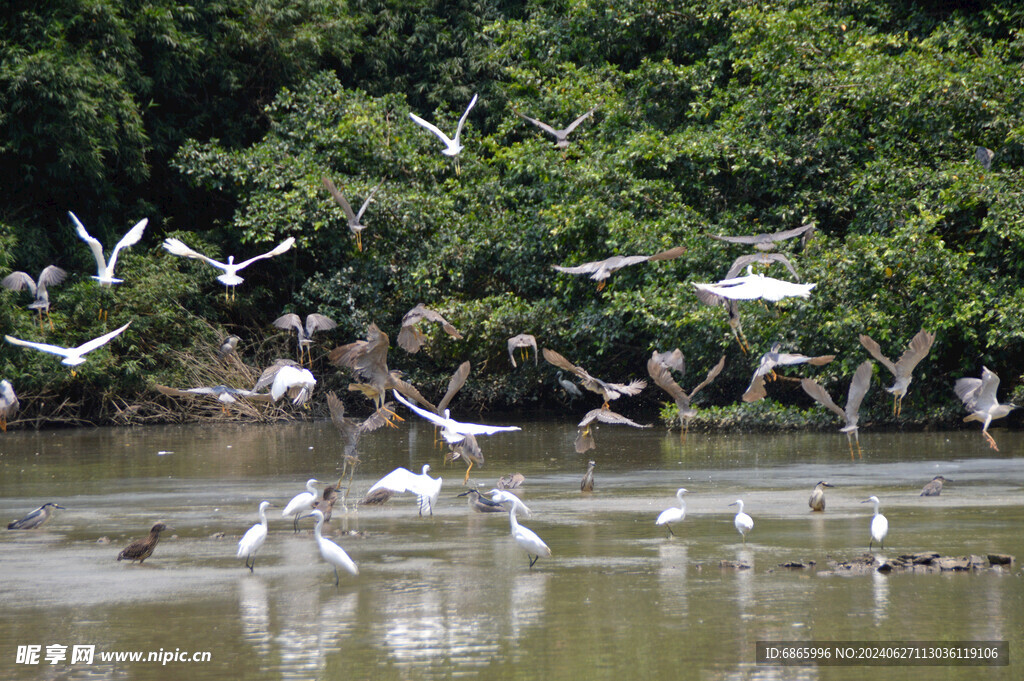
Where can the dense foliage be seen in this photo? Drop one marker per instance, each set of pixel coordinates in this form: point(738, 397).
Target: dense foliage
point(221, 120)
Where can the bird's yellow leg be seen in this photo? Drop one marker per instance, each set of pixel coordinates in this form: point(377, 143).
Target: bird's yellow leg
point(860, 454)
point(991, 440)
point(468, 468)
point(359, 241)
point(3, 423)
point(600, 285)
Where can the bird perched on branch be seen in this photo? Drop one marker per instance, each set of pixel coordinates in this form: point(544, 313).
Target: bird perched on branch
point(658, 369)
point(354, 219)
point(600, 270)
point(304, 334)
point(858, 388)
point(561, 136)
point(230, 278)
point(903, 369)
point(410, 338)
point(769, 361)
point(609, 391)
point(979, 397)
point(50, 276)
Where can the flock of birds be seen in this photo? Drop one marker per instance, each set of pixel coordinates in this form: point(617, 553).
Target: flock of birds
point(367, 360)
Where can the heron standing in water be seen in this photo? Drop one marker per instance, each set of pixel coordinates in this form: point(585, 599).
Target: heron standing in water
point(329, 551)
point(817, 500)
point(587, 483)
point(253, 538)
point(674, 514)
point(36, 518)
point(141, 549)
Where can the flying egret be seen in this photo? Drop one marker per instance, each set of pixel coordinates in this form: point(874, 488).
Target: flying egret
point(754, 286)
point(401, 480)
point(743, 522)
point(141, 549)
point(879, 525)
point(524, 341)
point(452, 146)
point(72, 356)
point(934, 488)
point(230, 278)
point(600, 270)
point(658, 370)
point(673, 514)
point(331, 552)
point(354, 219)
point(104, 269)
point(584, 441)
point(772, 359)
point(8, 403)
point(979, 397)
point(610, 391)
point(482, 504)
point(304, 334)
point(368, 361)
point(454, 432)
point(817, 500)
point(561, 136)
point(858, 388)
point(587, 483)
point(301, 503)
point(410, 338)
point(50, 276)
point(36, 518)
point(253, 538)
point(904, 367)
point(510, 501)
point(765, 242)
point(286, 378)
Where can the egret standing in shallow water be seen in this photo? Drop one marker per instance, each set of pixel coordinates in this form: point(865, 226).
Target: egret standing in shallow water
point(879, 524)
point(331, 552)
point(8, 403)
point(36, 518)
point(673, 515)
point(141, 549)
point(301, 502)
point(528, 539)
point(254, 537)
point(743, 522)
point(817, 500)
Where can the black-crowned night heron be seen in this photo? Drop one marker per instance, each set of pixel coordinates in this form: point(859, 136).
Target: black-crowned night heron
point(858, 388)
point(141, 549)
point(587, 483)
point(524, 341)
point(934, 488)
point(659, 373)
point(584, 441)
point(817, 500)
point(354, 219)
point(600, 270)
point(765, 242)
point(773, 358)
point(36, 518)
point(904, 367)
point(609, 391)
point(410, 338)
point(304, 334)
point(561, 135)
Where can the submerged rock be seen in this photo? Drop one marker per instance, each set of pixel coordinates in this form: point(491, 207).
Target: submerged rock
point(925, 562)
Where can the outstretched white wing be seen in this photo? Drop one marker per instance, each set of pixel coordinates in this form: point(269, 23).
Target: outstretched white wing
point(432, 128)
point(94, 244)
point(176, 247)
point(45, 347)
point(452, 424)
point(278, 250)
point(128, 240)
point(102, 340)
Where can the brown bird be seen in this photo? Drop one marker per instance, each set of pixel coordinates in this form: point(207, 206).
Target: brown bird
point(610, 391)
point(585, 440)
point(933, 488)
point(587, 483)
point(732, 308)
point(904, 367)
point(482, 504)
point(141, 549)
point(368, 361)
point(600, 270)
point(769, 361)
point(859, 385)
point(511, 481)
point(351, 431)
point(523, 340)
point(410, 338)
point(817, 500)
point(659, 372)
point(764, 242)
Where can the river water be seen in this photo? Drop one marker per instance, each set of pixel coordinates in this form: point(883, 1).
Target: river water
point(453, 596)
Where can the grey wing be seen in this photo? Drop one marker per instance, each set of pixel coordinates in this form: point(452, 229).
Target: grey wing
point(572, 126)
point(672, 360)
point(712, 375)
point(710, 297)
point(366, 203)
point(51, 276)
point(858, 389)
point(289, 321)
point(968, 389)
point(634, 387)
point(270, 373)
point(609, 416)
point(821, 395)
point(458, 380)
point(16, 281)
point(172, 392)
point(984, 157)
point(670, 254)
point(660, 375)
point(876, 351)
point(763, 258)
point(755, 391)
point(787, 233)
point(585, 268)
point(919, 347)
point(345, 426)
point(543, 126)
point(561, 362)
point(318, 322)
point(378, 419)
point(340, 199)
point(411, 392)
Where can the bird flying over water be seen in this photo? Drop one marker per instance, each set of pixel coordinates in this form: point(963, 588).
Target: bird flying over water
point(769, 361)
point(610, 391)
point(903, 369)
point(858, 388)
point(980, 398)
point(659, 373)
point(584, 441)
point(72, 356)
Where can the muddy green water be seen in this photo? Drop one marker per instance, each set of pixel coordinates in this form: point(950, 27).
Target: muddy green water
point(452, 595)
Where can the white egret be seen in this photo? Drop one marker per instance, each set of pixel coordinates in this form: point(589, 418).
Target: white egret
point(293, 381)
point(36, 518)
point(105, 269)
point(904, 367)
point(331, 552)
point(401, 480)
point(743, 522)
point(304, 334)
point(354, 219)
point(253, 538)
point(561, 136)
point(141, 549)
point(817, 500)
point(224, 394)
point(8, 403)
point(600, 270)
point(933, 488)
point(759, 259)
point(452, 146)
point(510, 501)
point(72, 356)
point(50, 276)
point(410, 338)
point(859, 385)
point(587, 483)
point(879, 524)
point(979, 396)
point(528, 539)
point(674, 514)
point(754, 286)
point(230, 278)
point(301, 502)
